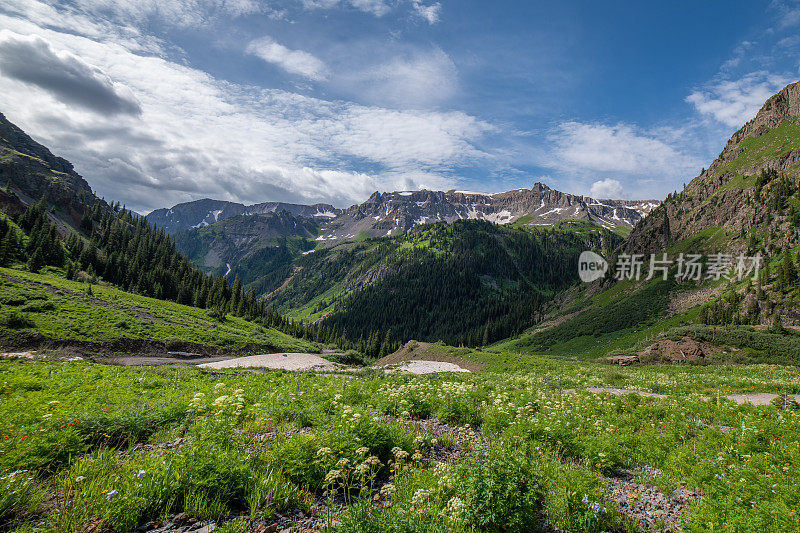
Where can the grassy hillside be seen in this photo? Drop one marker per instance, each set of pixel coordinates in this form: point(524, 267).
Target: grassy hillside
point(461, 283)
point(46, 307)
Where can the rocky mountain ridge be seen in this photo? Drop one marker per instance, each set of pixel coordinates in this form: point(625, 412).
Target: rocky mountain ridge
point(201, 213)
point(726, 197)
point(28, 171)
point(393, 213)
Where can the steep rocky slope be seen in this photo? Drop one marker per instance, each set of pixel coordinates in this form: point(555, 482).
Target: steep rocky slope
point(746, 202)
point(29, 170)
point(731, 199)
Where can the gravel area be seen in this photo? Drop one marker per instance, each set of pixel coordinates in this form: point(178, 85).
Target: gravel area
point(651, 508)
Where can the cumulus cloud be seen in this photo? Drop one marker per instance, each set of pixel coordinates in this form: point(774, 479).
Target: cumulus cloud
point(606, 188)
point(429, 13)
point(734, 102)
point(32, 60)
point(292, 61)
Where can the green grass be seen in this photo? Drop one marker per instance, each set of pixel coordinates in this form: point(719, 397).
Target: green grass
point(62, 310)
point(64, 424)
point(771, 145)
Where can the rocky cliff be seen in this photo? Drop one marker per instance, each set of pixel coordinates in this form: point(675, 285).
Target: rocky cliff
point(735, 197)
point(30, 170)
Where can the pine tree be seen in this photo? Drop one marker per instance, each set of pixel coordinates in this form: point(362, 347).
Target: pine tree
point(36, 262)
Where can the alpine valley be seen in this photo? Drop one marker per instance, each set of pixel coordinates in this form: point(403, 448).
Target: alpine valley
point(216, 366)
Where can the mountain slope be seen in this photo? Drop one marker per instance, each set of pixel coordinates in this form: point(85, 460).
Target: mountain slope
point(746, 202)
point(29, 171)
point(741, 192)
point(258, 248)
point(469, 282)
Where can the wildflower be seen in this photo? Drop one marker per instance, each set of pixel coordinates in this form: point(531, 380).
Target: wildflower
point(140, 474)
point(595, 507)
point(79, 479)
point(110, 495)
point(332, 476)
point(388, 490)
point(362, 451)
point(219, 386)
point(585, 500)
point(324, 452)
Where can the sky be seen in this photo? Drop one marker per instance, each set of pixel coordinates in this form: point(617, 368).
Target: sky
point(158, 102)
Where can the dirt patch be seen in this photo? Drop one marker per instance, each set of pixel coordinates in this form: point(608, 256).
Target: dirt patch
point(278, 361)
point(427, 352)
point(685, 350)
point(681, 302)
point(423, 367)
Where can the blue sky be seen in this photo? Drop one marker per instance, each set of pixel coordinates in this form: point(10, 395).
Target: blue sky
point(162, 101)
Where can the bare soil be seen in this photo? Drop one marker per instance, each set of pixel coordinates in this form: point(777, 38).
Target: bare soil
point(427, 352)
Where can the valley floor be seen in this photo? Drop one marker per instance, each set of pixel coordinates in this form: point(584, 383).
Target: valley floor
point(555, 445)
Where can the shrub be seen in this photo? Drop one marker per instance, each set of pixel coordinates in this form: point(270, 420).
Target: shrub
point(38, 306)
point(500, 493)
point(15, 320)
point(217, 314)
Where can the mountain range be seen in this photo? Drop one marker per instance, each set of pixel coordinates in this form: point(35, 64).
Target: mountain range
point(392, 213)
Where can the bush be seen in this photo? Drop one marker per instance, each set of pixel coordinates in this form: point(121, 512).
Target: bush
point(15, 320)
point(217, 314)
point(38, 306)
point(500, 493)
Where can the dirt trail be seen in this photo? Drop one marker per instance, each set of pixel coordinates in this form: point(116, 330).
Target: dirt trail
point(753, 398)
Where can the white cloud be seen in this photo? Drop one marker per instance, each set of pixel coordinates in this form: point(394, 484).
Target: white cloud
point(376, 7)
point(412, 78)
point(429, 13)
point(198, 136)
point(32, 60)
point(734, 102)
point(176, 12)
point(620, 148)
point(607, 188)
point(292, 61)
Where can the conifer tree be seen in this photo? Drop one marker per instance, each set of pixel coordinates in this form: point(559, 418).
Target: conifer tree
point(36, 261)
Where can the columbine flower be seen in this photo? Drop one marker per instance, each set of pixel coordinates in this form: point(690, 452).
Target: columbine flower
point(140, 474)
point(585, 499)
